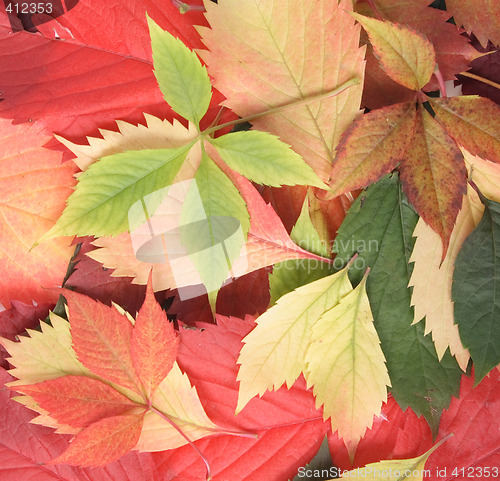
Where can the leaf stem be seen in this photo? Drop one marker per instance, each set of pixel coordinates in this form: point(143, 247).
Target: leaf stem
point(480, 79)
point(284, 107)
point(440, 79)
point(179, 430)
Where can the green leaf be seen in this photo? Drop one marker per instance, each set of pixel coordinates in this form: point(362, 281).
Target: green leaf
point(108, 188)
point(182, 78)
point(305, 235)
point(214, 225)
point(475, 292)
point(263, 158)
point(379, 227)
point(291, 274)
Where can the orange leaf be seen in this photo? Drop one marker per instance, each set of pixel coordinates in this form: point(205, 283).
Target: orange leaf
point(101, 339)
point(77, 400)
point(434, 176)
point(372, 147)
point(103, 442)
point(34, 186)
point(154, 343)
point(474, 123)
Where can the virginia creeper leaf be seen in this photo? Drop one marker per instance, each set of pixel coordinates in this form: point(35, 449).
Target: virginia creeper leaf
point(34, 185)
point(103, 442)
point(77, 400)
point(107, 190)
point(271, 70)
point(305, 234)
point(372, 146)
point(432, 275)
point(379, 227)
point(394, 469)
point(214, 225)
point(274, 352)
point(485, 174)
point(434, 176)
point(101, 339)
point(182, 79)
point(154, 343)
point(406, 55)
point(346, 366)
point(474, 291)
point(482, 17)
point(263, 158)
point(473, 122)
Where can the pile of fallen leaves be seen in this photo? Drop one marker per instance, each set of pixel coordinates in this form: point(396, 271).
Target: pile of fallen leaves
point(214, 259)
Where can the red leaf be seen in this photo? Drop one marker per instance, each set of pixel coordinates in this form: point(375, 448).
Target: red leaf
point(101, 339)
point(94, 280)
point(16, 320)
point(101, 71)
point(103, 442)
point(77, 400)
point(474, 419)
point(154, 343)
point(25, 448)
point(290, 429)
point(34, 186)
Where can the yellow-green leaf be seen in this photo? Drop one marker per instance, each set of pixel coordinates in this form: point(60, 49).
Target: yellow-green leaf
point(274, 352)
point(346, 367)
point(406, 55)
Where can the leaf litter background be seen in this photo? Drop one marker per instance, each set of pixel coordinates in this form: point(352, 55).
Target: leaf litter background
point(101, 73)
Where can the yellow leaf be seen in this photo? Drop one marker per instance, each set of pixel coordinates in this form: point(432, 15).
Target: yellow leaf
point(432, 279)
point(485, 174)
point(274, 352)
point(346, 367)
point(395, 469)
point(406, 55)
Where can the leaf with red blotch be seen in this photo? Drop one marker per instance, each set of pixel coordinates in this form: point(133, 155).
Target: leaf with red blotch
point(482, 17)
point(34, 186)
point(453, 51)
point(154, 343)
point(25, 449)
point(103, 441)
point(434, 176)
point(77, 400)
point(50, 80)
point(101, 339)
point(272, 71)
point(372, 146)
point(473, 122)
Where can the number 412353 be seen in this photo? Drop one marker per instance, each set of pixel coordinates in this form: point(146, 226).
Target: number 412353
point(32, 8)
point(476, 472)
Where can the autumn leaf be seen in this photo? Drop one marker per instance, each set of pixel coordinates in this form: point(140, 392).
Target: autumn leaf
point(372, 146)
point(431, 278)
point(273, 72)
point(474, 294)
point(473, 122)
point(406, 55)
point(481, 17)
point(274, 353)
point(34, 185)
point(346, 366)
point(379, 226)
point(434, 176)
point(395, 469)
